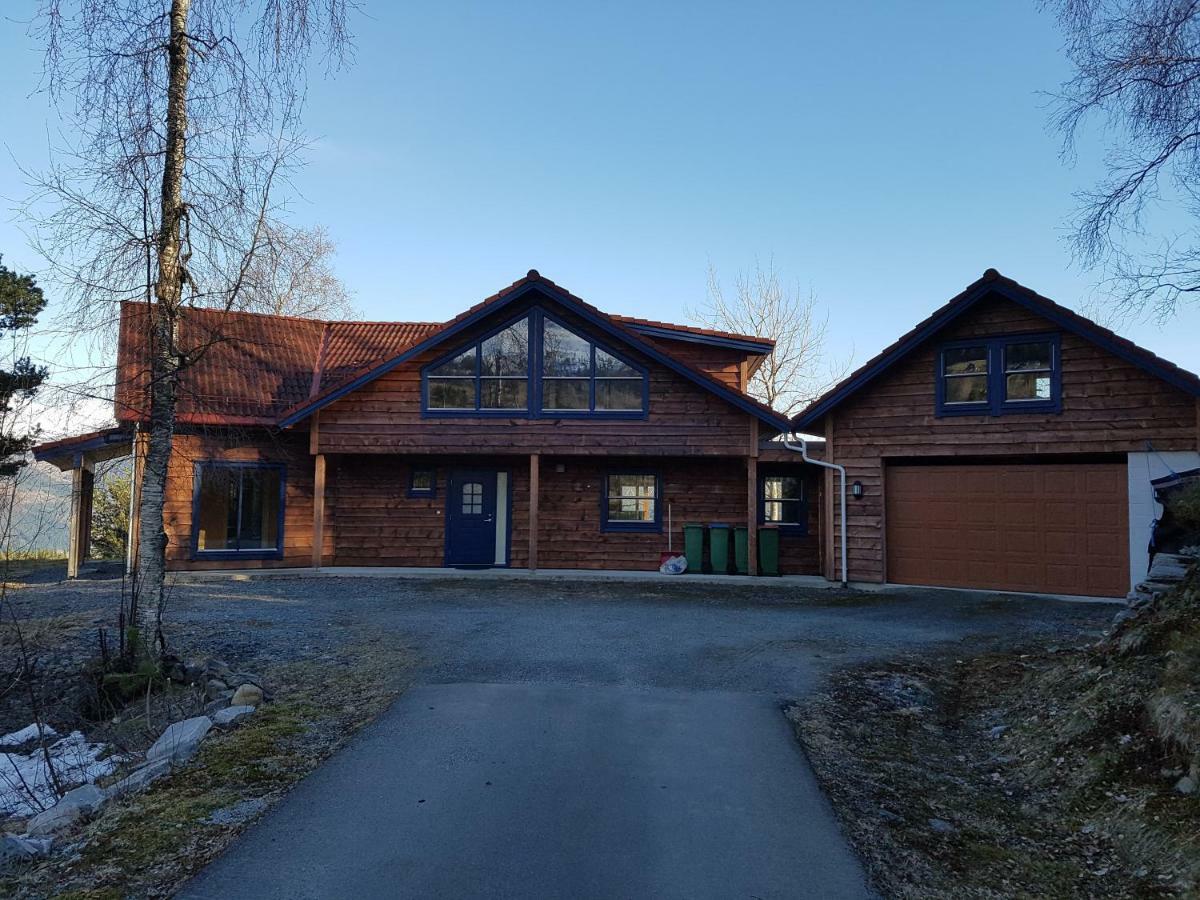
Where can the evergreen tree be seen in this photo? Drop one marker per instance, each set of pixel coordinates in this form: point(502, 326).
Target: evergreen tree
point(21, 301)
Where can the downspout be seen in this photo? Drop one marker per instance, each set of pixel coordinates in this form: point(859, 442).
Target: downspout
point(802, 449)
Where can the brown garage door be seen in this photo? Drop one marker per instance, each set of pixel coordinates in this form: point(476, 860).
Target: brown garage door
point(1059, 529)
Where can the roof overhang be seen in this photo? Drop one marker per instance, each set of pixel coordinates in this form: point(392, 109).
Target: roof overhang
point(95, 446)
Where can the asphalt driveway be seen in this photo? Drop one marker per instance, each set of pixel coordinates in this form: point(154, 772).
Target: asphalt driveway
point(598, 740)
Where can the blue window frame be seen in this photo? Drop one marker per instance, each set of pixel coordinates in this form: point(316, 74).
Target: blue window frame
point(783, 501)
point(1000, 375)
point(534, 366)
point(237, 509)
point(422, 481)
point(631, 500)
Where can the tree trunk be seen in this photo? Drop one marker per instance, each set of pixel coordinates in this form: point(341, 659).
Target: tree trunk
point(150, 577)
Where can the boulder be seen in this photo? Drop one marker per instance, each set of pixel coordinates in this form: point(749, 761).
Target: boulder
point(941, 826)
point(215, 688)
point(180, 741)
point(231, 715)
point(248, 678)
point(215, 706)
point(75, 804)
point(247, 695)
point(15, 850)
point(140, 778)
point(1186, 785)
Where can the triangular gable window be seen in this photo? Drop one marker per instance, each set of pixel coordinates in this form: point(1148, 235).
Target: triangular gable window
point(574, 375)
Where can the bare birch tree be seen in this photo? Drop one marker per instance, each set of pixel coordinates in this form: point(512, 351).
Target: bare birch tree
point(800, 368)
point(182, 119)
point(292, 275)
point(1137, 70)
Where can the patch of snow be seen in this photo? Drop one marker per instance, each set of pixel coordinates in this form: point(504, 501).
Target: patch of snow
point(28, 733)
point(26, 787)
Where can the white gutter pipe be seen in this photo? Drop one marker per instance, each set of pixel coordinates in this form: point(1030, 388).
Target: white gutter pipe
point(841, 470)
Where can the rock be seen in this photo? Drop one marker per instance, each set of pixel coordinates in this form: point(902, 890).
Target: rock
point(215, 688)
point(15, 850)
point(890, 817)
point(1186, 785)
point(231, 715)
point(247, 695)
point(75, 804)
point(248, 678)
point(237, 813)
point(194, 673)
point(140, 778)
point(996, 730)
point(215, 706)
point(941, 826)
point(180, 741)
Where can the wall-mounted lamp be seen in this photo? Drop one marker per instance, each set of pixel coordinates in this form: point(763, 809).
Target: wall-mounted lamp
point(857, 490)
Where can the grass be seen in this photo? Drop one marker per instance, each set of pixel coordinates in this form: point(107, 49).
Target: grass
point(147, 845)
point(1074, 797)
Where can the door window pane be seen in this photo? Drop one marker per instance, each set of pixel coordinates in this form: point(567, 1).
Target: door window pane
point(472, 498)
point(238, 508)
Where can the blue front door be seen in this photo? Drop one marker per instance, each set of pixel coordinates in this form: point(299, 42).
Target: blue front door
point(471, 521)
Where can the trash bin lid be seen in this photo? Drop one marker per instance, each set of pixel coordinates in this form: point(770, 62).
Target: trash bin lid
point(718, 524)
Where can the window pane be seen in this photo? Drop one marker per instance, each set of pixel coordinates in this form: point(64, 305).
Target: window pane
point(463, 364)
point(503, 393)
point(422, 479)
point(608, 365)
point(565, 393)
point(965, 360)
point(632, 485)
point(632, 497)
point(217, 506)
point(619, 393)
point(966, 389)
point(630, 510)
point(1027, 386)
point(1024, 357)
point(564, 352)
point(260, 509)
point(783, 512)
point(451, 393)
point(506, 353)
point(783, 487)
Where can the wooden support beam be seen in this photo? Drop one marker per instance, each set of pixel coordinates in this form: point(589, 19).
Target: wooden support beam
point(534, 472)
point(829, 499)
point(141, 443)
point(752, 501)
point(83, 479)
point(318, 546)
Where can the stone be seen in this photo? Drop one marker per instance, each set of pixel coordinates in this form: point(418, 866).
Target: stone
point(238, 813)
point(140, 778)
point(15, 850)
point(1186, 785)
point(997, 730)
point(231, 715)
point(180, 741)
point(215, 706)
point(215, 688)
point(247, 695)
point(247, 678)
point(890, 817)
point(74, 805)
point(941, 826)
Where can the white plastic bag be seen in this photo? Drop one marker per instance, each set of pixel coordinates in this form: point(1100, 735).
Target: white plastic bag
point(675, 565)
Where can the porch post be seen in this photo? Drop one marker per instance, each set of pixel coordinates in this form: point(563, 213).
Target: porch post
point(752, 501)
point(318, 536)
point(140, 441)
point(83, 479)
point(534, 471)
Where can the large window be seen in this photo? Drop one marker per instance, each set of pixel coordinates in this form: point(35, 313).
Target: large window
point(575, 376)
point(782, 502)
point(997, 375)
point(631, 502)
point(238, 509)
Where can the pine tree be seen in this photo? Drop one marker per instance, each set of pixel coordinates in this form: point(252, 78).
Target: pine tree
point(21, 301)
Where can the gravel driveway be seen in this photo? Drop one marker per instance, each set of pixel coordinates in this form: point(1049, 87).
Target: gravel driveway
point(596, 739)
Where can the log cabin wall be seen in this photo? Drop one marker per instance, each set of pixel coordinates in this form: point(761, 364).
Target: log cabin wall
point(1109, 406)
point(723, 363)
point(240, 445)
point(384, 416)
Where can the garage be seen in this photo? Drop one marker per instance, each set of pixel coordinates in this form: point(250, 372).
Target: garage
point(1046, 528)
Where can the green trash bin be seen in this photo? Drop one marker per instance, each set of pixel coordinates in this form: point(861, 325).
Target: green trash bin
point(741, 555)
point(768, 550)
point(693, 547)
point(718, 547)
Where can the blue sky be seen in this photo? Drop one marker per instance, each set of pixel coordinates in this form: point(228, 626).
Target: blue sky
point(883, 154)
